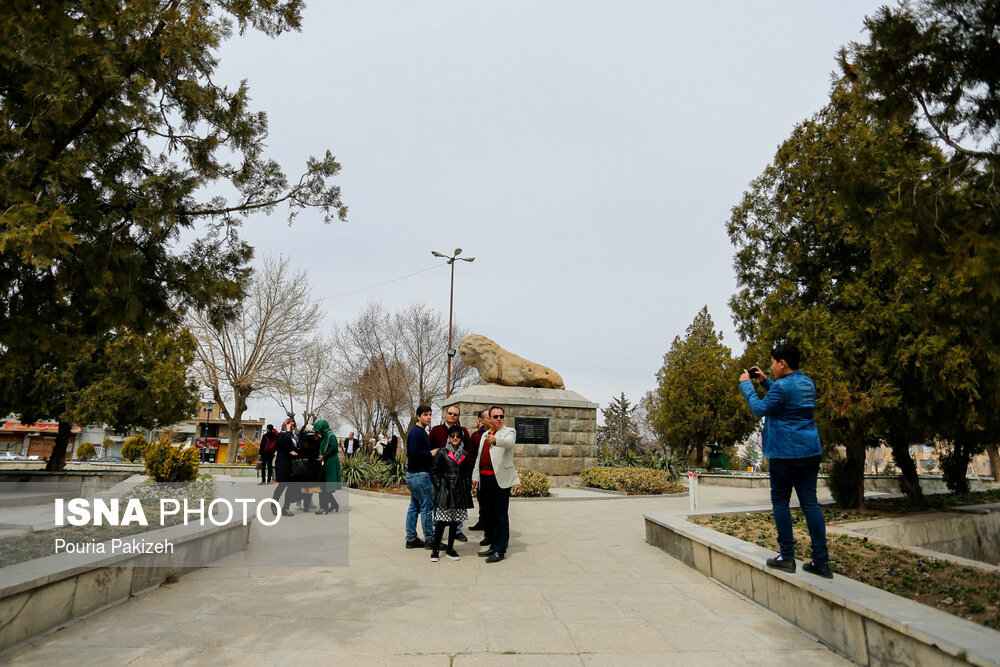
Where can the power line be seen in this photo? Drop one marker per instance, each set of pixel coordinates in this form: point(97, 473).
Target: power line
point(362, 289)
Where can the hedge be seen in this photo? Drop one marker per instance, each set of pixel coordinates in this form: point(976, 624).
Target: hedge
point(634, 481)
point(533, 484)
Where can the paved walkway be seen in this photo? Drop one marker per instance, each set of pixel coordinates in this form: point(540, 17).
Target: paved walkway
point(579, 587)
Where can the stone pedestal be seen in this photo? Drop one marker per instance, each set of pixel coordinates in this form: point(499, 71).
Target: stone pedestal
point(572, 424)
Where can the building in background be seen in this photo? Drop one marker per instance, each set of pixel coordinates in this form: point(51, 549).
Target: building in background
point(34, 439)
point(210, 432)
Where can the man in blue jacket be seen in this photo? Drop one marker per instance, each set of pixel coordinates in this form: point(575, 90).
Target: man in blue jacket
point(791, 444)
point(418, 479)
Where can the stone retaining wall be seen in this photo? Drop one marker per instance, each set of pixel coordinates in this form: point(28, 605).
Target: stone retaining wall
point(864, 624)
point(878, 483)
point(971, 532)
point(40, 594)
point(572, 422)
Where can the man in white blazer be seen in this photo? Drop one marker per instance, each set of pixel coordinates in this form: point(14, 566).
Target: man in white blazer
point(494, 475)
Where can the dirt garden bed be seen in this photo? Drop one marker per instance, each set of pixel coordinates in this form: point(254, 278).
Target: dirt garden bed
point(965, 591)
point(397, 490)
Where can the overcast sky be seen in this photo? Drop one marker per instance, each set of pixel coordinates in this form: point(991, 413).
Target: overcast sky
point(586, 153)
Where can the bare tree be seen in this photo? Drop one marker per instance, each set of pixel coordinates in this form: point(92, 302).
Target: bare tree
point(304, 381)
point(365, 355)
point(247, 353)
point(399, 360)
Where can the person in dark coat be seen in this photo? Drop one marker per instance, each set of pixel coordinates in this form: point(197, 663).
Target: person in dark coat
point(309, 450)
point(267, 446)
point(451, 484)
point(329, 456)
point(389, 451)
point(286, 451)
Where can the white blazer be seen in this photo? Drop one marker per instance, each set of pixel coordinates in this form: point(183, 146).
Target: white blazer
point(502, 456)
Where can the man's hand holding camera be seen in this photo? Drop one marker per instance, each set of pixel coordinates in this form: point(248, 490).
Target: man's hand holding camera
point(755, 373)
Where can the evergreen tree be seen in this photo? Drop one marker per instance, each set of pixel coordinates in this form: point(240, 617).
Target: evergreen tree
point(698, 399)
point(112, 132)
point(620, 432)
point(901, 346)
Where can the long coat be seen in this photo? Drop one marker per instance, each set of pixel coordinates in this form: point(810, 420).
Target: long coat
point(283, 459)
point(331, 456)
point(451, 481)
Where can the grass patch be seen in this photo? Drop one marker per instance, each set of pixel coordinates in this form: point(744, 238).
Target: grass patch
point(964, 591)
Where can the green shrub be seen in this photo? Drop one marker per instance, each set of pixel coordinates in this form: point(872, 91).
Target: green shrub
point(396, 473)
point(356, 471)
point(628, 459)
point(249, 452)
point(846, 482)
point(134, 448)
point(533, 484)
point(954, 470)
point(631, 480)
point(166, 463)
point(86, 451)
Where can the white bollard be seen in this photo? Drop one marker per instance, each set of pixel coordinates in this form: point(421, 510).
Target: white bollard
point(693, 489)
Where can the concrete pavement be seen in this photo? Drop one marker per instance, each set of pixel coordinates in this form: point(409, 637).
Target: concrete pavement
point(579, 587)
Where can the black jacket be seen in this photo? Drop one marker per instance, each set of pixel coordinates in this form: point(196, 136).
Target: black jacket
point(451, 483)
point(283, 457)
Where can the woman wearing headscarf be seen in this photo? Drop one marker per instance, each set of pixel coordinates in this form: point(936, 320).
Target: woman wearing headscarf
point(389, 451)
point(329, 456)
point(451, 484)
point(285, 452)
point(309, 451)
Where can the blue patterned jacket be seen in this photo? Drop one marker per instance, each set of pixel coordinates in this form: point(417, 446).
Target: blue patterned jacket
point(789, 429)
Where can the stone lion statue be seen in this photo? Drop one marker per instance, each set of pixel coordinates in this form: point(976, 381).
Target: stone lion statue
point(497, 365)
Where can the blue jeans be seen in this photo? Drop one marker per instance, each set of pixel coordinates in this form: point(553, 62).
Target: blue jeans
point(798, 474)
point(421, 503)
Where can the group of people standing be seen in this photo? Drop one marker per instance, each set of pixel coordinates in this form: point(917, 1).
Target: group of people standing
point(446, 467)
point(303, 460)
point(382, 449)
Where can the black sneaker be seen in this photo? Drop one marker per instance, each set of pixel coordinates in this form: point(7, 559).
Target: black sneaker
point(780, 564)
point(486, 554)
point(819, 570)
point(434, 556)
point(478, 526)
point(452, 554)
point(415, 543)
point(495, 558)
point(430, 546)
point(485, 542)
point(461, 537)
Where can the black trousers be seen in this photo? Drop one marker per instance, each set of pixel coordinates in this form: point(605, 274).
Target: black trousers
point(291, 491)
point(327, 501)
point(267, 468)
point(494, 507)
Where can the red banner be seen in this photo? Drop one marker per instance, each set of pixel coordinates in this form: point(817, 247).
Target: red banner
point(212, 443)
point(41, 427)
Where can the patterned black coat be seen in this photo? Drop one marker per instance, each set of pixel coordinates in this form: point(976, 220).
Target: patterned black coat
point(451, 481)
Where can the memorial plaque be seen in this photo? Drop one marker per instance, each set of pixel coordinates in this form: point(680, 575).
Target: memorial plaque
point(532, 431)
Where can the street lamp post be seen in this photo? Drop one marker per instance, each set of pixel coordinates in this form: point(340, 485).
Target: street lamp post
point(451, 301)
point(208, 417)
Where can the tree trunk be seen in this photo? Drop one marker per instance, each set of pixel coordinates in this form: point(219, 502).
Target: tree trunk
point(909, 483)
point(856, 452)
point(57, 460)
point(955, 470)
point(235, 419)
point(994, 454)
